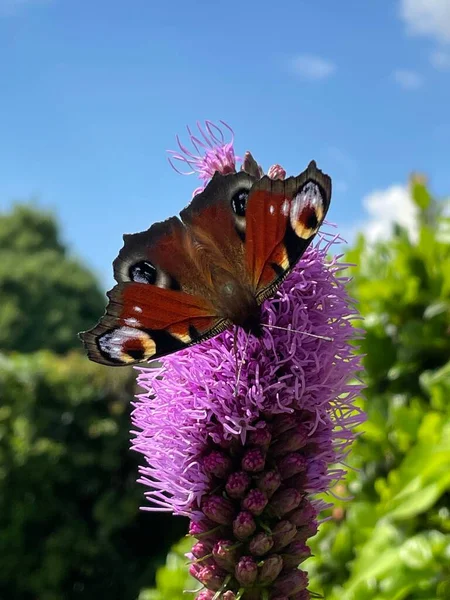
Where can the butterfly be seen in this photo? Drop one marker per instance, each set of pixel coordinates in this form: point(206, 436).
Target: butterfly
point(184, 281)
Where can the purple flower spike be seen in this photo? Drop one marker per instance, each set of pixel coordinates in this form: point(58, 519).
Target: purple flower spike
point(212, 153)
point(245, 467)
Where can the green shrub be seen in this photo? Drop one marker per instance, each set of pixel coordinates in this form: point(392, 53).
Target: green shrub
point(392, 541)
point(69, 518)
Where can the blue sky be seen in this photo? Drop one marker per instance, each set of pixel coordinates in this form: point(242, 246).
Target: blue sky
point(93, 93)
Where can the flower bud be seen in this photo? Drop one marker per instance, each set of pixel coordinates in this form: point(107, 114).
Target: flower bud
point(255, 502)
point(246, 571)
point(283, 423)
point(295, 554)
point(285, 501)
point(291, 582)
point(283, 533)
point(205, 595)
point(218, 509)
point(209, 575)
point(201, 548)
point(291, 464)
point(304, 514)
point(260, 544)
point(290, 441)
point(302, 595)
point(260, 437)
point(217, 463)
point(307, 531)
point(270, 569)
point(244, 525)
point(253, 460)
point(237, 484)
point(269, 482)
point(199, 528)
point(225, 554)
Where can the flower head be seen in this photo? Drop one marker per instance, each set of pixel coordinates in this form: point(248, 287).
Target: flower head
point(241, 436)
point(213, 153)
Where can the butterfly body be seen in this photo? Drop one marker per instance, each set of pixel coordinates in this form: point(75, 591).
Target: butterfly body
point(185, 280)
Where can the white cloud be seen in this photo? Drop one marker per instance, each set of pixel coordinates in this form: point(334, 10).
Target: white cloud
point(408, 80)
point(440, 60)
point(386, 207)
point(312, 67)
point(429, 18)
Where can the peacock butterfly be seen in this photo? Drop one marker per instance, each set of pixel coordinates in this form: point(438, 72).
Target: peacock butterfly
point(183, 281)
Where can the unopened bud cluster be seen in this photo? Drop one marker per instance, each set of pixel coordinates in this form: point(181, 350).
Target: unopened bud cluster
point(258, 517)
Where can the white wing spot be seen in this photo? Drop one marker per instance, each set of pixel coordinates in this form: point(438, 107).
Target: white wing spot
point(285, 207)
point(132, 322)
point(137, 309)
point(272, 209)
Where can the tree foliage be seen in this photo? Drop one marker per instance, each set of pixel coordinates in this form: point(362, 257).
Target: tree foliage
point(47, 296)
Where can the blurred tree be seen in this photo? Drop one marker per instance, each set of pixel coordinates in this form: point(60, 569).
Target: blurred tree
point(69, 518)
point(47, 297)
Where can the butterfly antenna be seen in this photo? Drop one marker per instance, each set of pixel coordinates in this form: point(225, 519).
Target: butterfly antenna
point(320, 337)
point(241, 364)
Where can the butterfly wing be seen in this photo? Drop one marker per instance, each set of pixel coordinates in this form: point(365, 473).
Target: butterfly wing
point(282, 218)
point(144, 322)
point(240, 231)
point(216, 219)
point(162, 302)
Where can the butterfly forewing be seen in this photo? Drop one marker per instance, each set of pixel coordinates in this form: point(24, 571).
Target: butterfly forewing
point(283, 218)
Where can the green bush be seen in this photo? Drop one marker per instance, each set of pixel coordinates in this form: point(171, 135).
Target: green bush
point(392, 541)
point(69, 518)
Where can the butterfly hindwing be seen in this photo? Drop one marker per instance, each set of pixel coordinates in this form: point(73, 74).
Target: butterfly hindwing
point(283, 217)
point(143, 322)
point(162, 303)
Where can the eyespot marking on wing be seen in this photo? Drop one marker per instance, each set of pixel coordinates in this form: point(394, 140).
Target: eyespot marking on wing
point(126, 345)
point(239, 207)
point(145, 271)
point(307, 210)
